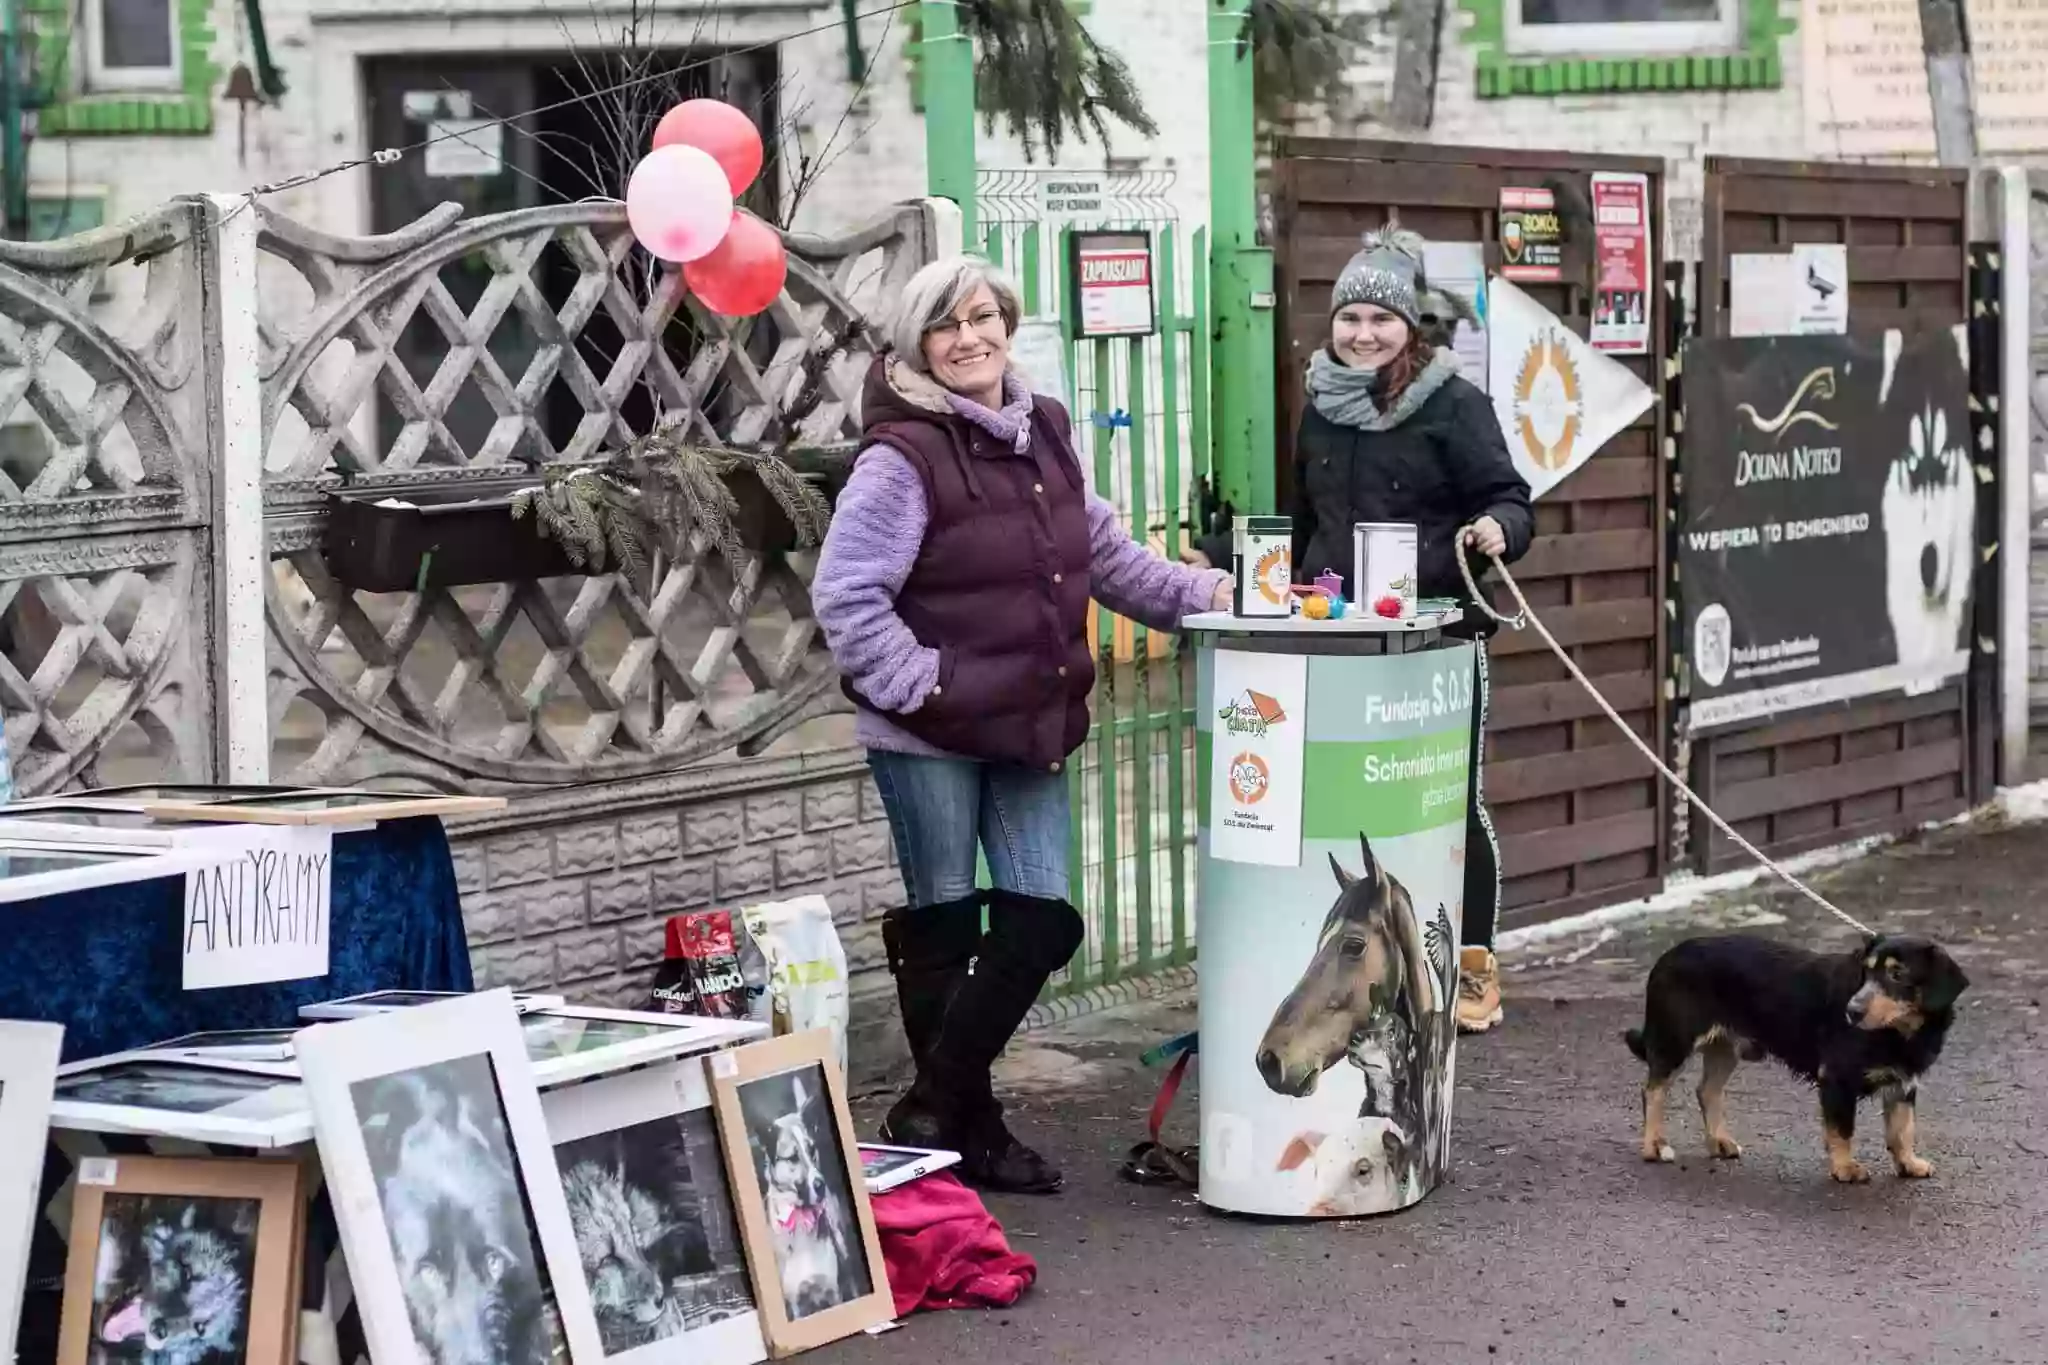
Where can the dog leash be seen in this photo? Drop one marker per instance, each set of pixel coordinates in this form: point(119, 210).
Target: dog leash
point(1526, 618)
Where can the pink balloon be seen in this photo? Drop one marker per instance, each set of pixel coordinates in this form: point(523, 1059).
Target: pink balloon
point(679, 203)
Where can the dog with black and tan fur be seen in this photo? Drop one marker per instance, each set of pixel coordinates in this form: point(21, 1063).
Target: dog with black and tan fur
point(1867, 1022)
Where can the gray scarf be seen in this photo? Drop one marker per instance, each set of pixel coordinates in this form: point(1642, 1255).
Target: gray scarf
point(1349, 397)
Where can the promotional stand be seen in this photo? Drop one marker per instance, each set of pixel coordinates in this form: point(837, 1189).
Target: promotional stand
point(1332, 762)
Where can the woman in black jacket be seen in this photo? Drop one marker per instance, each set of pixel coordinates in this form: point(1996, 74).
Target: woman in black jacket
point(1392, 433)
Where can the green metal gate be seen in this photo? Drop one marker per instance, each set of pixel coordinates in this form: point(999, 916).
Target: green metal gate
point(1141, 413)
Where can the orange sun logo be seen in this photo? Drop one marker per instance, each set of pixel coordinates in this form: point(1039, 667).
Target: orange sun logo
point(1548, 410)
point(1273, 573)
point(1249, 778)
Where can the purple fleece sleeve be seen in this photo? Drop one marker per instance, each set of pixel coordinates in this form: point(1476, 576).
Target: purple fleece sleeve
point(878, 523)
point(1132, 581)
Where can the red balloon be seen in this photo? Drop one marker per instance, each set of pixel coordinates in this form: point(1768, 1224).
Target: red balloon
point(744, 273)
point(718, 128)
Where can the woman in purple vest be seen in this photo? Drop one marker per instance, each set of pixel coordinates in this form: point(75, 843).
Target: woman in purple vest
point(953, 589)
point(1393, 433)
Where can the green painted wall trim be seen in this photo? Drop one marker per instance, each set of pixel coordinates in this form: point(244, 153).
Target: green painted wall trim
point(1756, 66)
point(71, 112)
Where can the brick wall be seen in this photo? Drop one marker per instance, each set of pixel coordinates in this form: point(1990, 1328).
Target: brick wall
point(570, 892)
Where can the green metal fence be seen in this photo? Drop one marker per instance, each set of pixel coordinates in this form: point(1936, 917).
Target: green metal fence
point(1141, 418)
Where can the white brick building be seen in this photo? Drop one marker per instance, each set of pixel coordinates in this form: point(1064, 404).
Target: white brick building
point(127, 136)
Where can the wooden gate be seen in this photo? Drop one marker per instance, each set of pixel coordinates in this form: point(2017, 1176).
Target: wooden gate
point(1581, 817)
point(1886, 764)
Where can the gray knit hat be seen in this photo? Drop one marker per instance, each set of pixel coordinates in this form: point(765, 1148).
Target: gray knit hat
point(1386, 273)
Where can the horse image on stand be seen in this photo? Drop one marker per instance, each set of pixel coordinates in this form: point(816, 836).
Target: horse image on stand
point(1379, 993)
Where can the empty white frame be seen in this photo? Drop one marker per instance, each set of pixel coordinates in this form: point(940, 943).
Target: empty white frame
point(383, 1002)
point(28, 1069)
point(233, 1104)
point(571, 1043)
point(436, 1151)
point(640, 1157)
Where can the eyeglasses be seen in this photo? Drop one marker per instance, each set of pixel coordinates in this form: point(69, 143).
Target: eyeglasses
point(987, 321)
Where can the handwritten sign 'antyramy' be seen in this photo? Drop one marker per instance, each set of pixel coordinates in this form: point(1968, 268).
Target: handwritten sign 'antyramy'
point(261, 915)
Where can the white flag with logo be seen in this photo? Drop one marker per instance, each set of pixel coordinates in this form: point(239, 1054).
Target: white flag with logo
point(1558, 399)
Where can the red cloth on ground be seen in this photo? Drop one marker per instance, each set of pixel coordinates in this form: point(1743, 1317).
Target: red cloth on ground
point(944, 1249)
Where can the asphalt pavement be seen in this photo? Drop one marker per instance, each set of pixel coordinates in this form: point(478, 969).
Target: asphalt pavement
point(1552, 1243)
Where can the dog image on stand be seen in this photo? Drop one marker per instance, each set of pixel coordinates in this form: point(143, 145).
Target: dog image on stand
point(803, 1176)
point(171, 1284)
point(1930, 495)
point(1378, 994)
point(449, 1184)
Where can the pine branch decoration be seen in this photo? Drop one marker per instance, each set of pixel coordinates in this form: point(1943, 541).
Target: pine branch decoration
point(663, 487)
point(1303, 51)
point(1043, 74)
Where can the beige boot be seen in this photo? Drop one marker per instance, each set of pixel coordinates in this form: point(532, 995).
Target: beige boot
point(1479, 1006)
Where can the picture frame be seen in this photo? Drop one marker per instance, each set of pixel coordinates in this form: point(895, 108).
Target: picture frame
point(134, 798)
point(324, 807)
point(817, 1266)
point(248, 1105)
point(72, 826)
point(273, 1045)
point(383, 1002)
point(597, 1042)
point(648, 1141)
point(887, 1168)
point(29, 1052)
point(225, 1231)
point(30, 871)
point(436, 1155)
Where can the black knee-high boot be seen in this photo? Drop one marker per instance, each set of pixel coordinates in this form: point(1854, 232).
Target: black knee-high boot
point(1028, 939)
point(931, 949)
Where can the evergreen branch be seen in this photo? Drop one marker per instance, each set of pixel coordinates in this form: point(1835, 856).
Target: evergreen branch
point(1302, 54)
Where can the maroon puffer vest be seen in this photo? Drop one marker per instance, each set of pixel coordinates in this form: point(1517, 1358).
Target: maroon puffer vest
point(1000, 586)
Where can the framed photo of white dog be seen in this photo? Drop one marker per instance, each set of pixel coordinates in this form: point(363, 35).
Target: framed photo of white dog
point(812, 1247)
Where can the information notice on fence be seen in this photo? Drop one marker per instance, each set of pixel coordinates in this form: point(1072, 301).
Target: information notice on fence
point(1827, 548)
point(262, 913)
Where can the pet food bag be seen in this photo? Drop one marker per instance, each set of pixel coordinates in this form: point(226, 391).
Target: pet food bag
point(806, 967)
point(700, 968)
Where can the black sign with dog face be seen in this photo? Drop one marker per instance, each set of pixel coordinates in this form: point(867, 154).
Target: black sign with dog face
point(1827, 533)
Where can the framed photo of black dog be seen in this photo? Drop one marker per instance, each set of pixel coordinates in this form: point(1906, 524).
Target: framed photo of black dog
point(451, 1212)
point(645, 1177)
point(812, 1247)
point(187, 1259)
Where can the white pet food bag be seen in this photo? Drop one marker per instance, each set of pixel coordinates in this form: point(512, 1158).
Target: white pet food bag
point(806, 967)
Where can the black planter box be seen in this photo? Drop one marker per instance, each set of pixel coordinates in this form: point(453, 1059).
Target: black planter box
point(445, 538)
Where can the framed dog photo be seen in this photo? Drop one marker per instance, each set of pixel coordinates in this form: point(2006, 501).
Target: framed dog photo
point(257, 1105)
point(812, 1248)
point(185, 1259)
point(28, 1070)
point(437, 1160)
point(645, 1179)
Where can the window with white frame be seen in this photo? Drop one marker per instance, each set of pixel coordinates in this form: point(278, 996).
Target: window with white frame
point(1622, 28)
point(132, 44)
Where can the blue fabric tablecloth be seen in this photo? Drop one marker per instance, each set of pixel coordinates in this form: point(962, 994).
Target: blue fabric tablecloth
point(109, 964)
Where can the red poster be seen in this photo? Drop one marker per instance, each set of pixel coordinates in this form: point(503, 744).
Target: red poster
point(1623, 292)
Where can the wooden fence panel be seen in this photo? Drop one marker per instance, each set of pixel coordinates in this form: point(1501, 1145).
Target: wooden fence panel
point(1581, 817)
point(1882, 765)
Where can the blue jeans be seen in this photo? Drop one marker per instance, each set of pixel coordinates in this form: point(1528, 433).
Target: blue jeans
point(939, 807)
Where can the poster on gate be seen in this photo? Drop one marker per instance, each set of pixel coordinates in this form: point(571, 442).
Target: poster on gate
point(1329, 981)
point(1827, 543)
point(1255, 770)
point(1110, 279)
point(1623, 296)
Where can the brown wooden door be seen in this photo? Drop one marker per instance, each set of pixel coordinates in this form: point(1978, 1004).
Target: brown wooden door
point(1582, 818)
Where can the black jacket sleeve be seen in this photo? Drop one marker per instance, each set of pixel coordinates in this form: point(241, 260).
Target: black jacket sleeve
point(1304, 511)
point(1489, 485)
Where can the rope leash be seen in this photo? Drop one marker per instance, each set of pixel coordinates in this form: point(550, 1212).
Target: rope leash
point(1526, 618)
